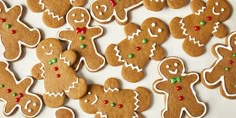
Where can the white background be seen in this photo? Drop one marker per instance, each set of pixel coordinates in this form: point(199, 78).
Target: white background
point(218, 106)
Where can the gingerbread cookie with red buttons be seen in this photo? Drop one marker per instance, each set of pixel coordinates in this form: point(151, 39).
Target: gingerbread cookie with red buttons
point(222, 72)
point(105, 11)
point(64, 112)
point(15, 94)
point(198, 28)
point(142, 44)
point(157, 5)
point(60, 79)
point(178, 87)
point(54, 10)
point(81, 39)
point(14, 33)
point(110, 101)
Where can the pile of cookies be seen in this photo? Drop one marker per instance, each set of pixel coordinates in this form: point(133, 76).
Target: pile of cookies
point(58, 67)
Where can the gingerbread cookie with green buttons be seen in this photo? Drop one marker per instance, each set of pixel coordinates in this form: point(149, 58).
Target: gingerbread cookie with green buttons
point(110, 101)
point(178, 87)
point(14, 33)
point(198, 28)
point(81, 39)
point(222, 71)
point(15, 94)
point(60, 79)
point(142, 44)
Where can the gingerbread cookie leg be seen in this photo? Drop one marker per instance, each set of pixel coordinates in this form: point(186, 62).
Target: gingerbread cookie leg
point(12, 49)
point(195, 109)
point(75, 91)
point(177, 28)
point(131, 75)
point(172, 112)
point(143, 96)
point(35, 6)
point(176, 5)
point(54, 99)
point(111, 57)
point(190, 47)
point(53, 21)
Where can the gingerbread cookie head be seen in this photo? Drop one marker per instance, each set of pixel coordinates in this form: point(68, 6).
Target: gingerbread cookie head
point(232, 41)
point(30, 105)
point(171, 67)
point(102, 9)
point(64, 112)
point(48, 49)
point(78, 17)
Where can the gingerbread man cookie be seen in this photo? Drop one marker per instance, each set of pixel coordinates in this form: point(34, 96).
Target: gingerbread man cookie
point(222, 72)
point(81, 38)
point(157, 5)
point(178, 87)
point(54, 10)
point(198, 28)
point(140, 45)
point(64, 112)
point(105, 11)
point(59, 78)
point(14, 33)
point(109, 101)
point(15, 94)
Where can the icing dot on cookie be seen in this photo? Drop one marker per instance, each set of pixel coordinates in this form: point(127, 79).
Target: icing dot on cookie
point(50, 45)
point(29, 110)
point(196, 28)
point(231, 62)
point(222, 9)
point(175, 64)
point(58, 75)
point(34, 104)
point(43, 47)
point(167, 66)
point(202, 23)
point(159, 30)
point(82, 15)
point(97, 7)
point(73, 15)
point(86, 101)
point(89, 93)
point(100, 13)
point(153, 24)
point(216, 3)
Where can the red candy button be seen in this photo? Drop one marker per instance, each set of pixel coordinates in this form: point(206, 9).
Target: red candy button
point(138, 48)
point(196, 28)
point(17, 99)
point(58, 75)
point(178, 88)
point(3, 20)
point(231, 62)
point(55, 68)
point(208, 18)
point(13, 31)
point(8, 90)
point(21, 95)
point(120, 105)
point(181, 98)
point(105, 101)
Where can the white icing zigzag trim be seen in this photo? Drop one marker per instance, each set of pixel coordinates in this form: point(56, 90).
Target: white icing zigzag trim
point(152, 50)
point(135, 115)
point(111, 89)
point(195, 41)
point(134, 34)
point(137, 101)
point(54, 94)
point(126, 64)
point(101, 115)
point(183, 27)
point(42, 69)
point(200, 11)
point(216, 27)
point(64, 60)
point(41, 3)
point(72, 85)
point(53, 15)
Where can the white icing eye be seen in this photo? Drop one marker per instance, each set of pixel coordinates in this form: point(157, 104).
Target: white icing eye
point(89, 93)
point(50, 45)
point(0, 10)
point(153, 24)
point(34, 104)
point(86, 101)
point(97, 7)
point(159, 30)
point(167, 66)
point(82, 15)
point(73, 15)
point(43, 47)
point(222, 9)
point(100, 13)
point(175, 64)
point(216, 3)
point(29, 110)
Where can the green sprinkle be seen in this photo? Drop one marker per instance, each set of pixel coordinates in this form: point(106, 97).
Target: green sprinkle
point(234, 55)
point(202, 23)
point(8, 26)
point(14, 94)
point(131, 55)
point(2, 85)
point(81, 38)
point(227, 68)
point(113, 104)
point(82, 46)
point(144, 41)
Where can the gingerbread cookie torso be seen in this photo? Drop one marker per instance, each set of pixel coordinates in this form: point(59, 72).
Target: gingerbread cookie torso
point(141, 45)
point(54, 10)
point(109, 101)
point(157, 5)
point(222, 72)
point(59, 78)
point(81, 39)
point(14, 33)
point(198, 28)
point(178, 87)
point(105, 11)
point(15, 94)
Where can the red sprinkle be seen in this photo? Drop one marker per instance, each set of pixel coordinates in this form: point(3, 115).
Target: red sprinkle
point(8, 90)
point(3, 20)
point(58, 75)
point(231, 62)
point(13, 31)
point(196, 28)
point(178, 88)
point(21, 95)
point(105, 101)
point(17, 99)
point(138, 48)
point(120, 105)
point(181, 98)
point(55, 68)
point(209, 18)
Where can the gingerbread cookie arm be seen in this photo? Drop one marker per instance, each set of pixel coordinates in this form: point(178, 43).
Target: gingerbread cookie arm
point(220, 30)
point(157, 53)
point(9, 108)
point(36, 5)
point(69, 57)
point(15, 11)
point(160, 86)
point(66, 35)
point(131, 30)
point(111, 85)
point(96, 31)
point(38, 71)
point(193, 77)
point(198, 6)
point(78, 3)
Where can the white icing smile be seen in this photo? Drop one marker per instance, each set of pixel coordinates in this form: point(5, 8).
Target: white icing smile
point(104, 9)
point(27, 105)
point(151, 34)
point(173, 72)
point(157, 0)
point(49, 53)
point(79, 21)
point(95, 101)
point(217, 13)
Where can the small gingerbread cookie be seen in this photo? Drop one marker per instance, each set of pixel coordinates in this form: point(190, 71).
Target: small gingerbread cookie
point(141, 44)
point(222, 72)
point(178, 88)
point(60, 79)
point(198, 28)
point(157, 5)
point(105, 11)
point(64, 112)
point(110, 101)
point(54, 10)
point(15, 33)
point(81, 39)
point(15, 94)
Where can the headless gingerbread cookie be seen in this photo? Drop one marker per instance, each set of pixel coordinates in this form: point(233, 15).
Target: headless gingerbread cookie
point(157, 5)
point(14, 33)
point(81, 39)
point(15, 94)
point(59, 78)
point(141, 45)
point(198, 28)
point(178, 88)
point(112, 102)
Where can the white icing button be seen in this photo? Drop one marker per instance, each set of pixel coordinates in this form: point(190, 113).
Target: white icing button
point(86, 100)
point(73, 15)
point(153, 24)
point(222, 9)
point(175, 64)
point(100, 13)
point(159, 30)
point(89, 93)
point(43, 47)
point(167, 66)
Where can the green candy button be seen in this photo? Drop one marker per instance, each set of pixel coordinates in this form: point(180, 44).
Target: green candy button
point(81, 38)
point(8, 26)
point(2, 85)
point(82, 46)
point(113, 104)
point(14, 94)
point(131, 55)
point(227, 68)
point(234, 55)
point(144, 41)
point(202, 23)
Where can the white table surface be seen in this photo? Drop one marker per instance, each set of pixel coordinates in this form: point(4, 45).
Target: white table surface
point(218, 106)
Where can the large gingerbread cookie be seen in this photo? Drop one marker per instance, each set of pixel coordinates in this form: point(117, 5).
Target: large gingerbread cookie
point(157, 5)
point(14, 33)
point(222, 72)
point(59, 77)
point(141, 44)
point(178, 87)
point(15, 94)
point(110, 101)
point(198, 28)
point(54, 10)
point(81, 39)
point(105, 11)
